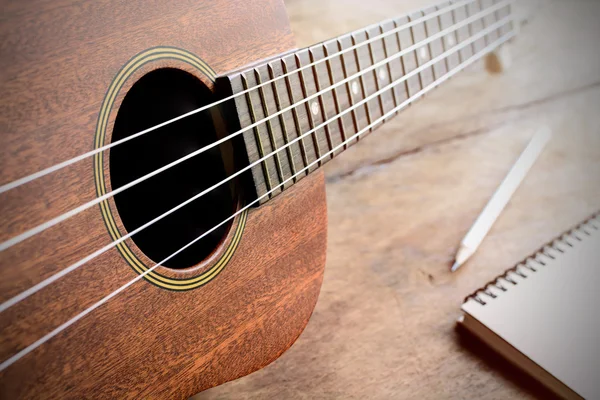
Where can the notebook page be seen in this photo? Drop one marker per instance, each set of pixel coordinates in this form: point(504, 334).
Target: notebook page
point(553, 315)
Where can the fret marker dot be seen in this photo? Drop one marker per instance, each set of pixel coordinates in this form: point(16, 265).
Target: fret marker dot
point(382, 74)
point(354, 87)
point(314, 107)
point(450, 41)
point(423, 53)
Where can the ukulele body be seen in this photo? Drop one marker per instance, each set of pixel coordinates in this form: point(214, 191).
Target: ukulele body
point(65, 72)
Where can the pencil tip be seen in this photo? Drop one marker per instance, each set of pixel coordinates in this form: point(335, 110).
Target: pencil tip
point(455, 266)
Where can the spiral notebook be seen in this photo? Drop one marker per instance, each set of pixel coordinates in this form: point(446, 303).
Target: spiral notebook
point(544, 314)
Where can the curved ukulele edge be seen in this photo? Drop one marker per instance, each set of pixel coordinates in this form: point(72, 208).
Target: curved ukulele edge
point(287, 297)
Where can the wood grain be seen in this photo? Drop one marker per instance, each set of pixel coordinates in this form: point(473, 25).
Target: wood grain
point(58, 61)
point(400, 202)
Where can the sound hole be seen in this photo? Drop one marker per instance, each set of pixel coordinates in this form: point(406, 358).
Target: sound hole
point(157, 97)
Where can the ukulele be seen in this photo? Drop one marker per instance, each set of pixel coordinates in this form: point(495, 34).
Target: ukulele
point(163, 208)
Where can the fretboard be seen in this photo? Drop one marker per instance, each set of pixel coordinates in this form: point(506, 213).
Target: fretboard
point(330, 95)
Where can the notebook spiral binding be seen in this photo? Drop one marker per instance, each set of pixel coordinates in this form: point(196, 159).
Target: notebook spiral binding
point(536, 261)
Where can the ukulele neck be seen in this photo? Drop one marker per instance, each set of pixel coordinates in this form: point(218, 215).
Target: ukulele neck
point(331, 95)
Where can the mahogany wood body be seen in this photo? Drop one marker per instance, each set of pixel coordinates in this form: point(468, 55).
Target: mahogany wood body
point(58, 60)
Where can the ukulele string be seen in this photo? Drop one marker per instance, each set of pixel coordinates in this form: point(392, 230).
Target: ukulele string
point(61, 165)
point(23, 295)
point(56, 220)
point(88, 258)
point(8, 362)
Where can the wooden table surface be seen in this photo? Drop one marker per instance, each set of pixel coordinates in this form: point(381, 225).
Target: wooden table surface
point(400, 202)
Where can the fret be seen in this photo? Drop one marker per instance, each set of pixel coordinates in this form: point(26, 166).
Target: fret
point(301, 123)
point(436, 47)
point(381, 74)
point(498, 15)
point(456, 35)
point(394, 66)
point(446, 21)
point(361, 79)
point(266, 178)
point(480, 24)
point(460, 15)
point(374, 77)
point(403, 70)
point(275, 70)
point(308, 105)
point(349, 91)
point(324, 101)
point(503, 13)
point(334, 69)
point(443, 39)
point(269, 125)
point(300, 144)
point(468, 14)
point(355, 87)
point(242, 108)
point(422, 53)
point(488, 20)
point(409, 61)
point(483, 19)
point(476, 26)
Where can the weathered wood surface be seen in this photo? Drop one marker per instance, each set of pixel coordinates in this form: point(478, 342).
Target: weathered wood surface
point(400, 202)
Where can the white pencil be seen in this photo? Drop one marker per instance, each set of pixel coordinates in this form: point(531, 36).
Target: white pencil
point(494, 207)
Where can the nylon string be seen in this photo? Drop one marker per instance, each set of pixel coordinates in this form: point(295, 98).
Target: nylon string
point(91, 153)
point(5, 364)
point(23, 295)
point(56, 220)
